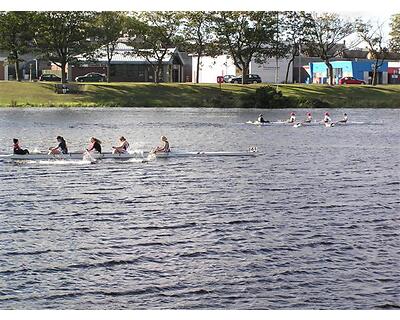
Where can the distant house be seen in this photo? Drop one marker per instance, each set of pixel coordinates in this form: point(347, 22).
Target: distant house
point(127, 67)
point(30, 67)
point(211, 67)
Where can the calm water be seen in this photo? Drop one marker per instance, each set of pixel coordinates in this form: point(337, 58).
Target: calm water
point(312, 222)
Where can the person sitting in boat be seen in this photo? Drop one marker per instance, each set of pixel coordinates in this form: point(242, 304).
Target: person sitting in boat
point(308, 118)
point(123, 147)
point(327, 118)
point(292, 118)
point(344, 120)
point(95, 145)
point(61, 147)
point(261, 119)
point(164, 147)
point(18, 149)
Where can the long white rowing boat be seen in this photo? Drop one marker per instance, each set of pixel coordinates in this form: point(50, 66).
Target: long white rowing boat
point(179, 154)
point(75, 156)
point(309, 124)
point(126, 156)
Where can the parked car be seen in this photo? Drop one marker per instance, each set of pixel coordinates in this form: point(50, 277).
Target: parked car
point(251, 78)
point(49, 77)
point(91, 77)
point(350, 80)
point(227, 77)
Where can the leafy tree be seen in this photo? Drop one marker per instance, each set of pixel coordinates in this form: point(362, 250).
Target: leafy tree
point(296, 31)
point(373, 37)
point(326, 31)
point(109, 28)
point(16, 33)
point(62, 36)
point(152, 34)
point(198, 35)
point(246, 35)
point(395, 33)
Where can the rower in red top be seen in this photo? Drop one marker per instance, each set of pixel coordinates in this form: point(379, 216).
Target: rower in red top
point(18, 149)
point(95, 145)
point(309, 117)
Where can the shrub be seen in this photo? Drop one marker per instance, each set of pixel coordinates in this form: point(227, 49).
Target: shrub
point(266, 97)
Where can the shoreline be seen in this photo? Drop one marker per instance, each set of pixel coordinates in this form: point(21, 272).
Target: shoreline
point(188, 95)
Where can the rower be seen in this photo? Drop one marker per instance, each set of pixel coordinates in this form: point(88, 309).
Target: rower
point(309, 117)
point(327, 118)
point(61, 147)
point(18, 149)
point(344, 120)
point(123, 147)
point(95, 145)
point(165, 147)
point(261, 119)
point(292, 118)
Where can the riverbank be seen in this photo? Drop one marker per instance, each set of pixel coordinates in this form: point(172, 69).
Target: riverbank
point(25, 94)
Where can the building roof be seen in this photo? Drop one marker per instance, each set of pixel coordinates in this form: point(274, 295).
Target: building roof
point(123, 54)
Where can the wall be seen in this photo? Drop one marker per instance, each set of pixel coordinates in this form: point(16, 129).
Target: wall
point(211, 68)
point(360, 66)
point(355, 69)
point(267, 70)
point(319, 71)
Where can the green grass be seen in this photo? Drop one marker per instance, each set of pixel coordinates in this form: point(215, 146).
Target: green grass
point(187, 95)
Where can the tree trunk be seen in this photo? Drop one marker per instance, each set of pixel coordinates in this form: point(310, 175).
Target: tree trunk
point(108, 70)
point(245, 72)
point(374, 73)
point(330, 72)
point(16, 63)
point(198, 67)
point(158, 76)
point(63, 73)
point(288, 68)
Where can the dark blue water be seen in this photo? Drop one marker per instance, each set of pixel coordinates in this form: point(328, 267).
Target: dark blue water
point(311, 223)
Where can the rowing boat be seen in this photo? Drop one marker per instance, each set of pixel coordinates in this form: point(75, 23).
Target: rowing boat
point(179, 154)
point(76, 156)
point(131, 155)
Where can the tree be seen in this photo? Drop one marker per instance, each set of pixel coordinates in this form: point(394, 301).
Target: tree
point(152, 34)
point(109, 28)
point(327, 30)
point(198, 35)
point(62, 36)
point(16, 33)
point(395, 33)
point(296, 31)
point(245, 35)
point(373, 37)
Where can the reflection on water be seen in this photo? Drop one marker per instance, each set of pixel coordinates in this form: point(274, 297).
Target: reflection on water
point(312, 222)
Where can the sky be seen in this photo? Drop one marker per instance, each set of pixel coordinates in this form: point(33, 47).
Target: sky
point(377, 8)
point(368, 9)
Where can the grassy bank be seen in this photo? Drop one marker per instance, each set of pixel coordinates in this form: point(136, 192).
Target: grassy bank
point(192, 95)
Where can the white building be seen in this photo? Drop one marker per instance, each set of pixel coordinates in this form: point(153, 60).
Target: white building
point(210, 68)
point(272, 70)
